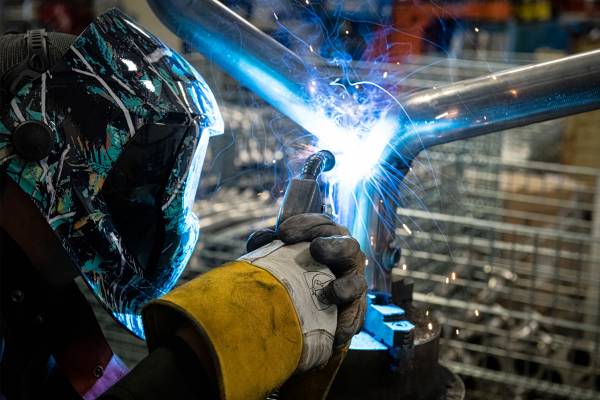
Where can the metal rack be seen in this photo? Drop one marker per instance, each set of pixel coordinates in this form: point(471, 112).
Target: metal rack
point(522, 237)
point(507, 254)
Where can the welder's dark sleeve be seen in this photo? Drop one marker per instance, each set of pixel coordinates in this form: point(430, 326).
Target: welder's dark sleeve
point(170, 372)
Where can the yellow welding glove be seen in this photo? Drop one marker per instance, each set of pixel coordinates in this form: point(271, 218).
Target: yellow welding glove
point(270, 315)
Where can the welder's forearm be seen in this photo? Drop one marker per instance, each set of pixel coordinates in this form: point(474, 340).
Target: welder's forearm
point(171, 372)
point(243, 327)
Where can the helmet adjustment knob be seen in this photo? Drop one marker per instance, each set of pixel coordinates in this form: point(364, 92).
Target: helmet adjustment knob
point(32, 140)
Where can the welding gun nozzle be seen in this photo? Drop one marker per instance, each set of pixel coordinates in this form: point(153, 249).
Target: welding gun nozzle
point(316, 163)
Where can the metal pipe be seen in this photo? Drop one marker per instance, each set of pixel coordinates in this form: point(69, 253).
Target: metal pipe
point(250, 56)
point(474, 107)
point(508, 99)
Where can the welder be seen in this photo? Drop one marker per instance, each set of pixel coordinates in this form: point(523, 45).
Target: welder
point(102, 140)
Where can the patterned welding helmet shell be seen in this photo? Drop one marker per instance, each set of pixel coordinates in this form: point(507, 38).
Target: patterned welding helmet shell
point(130, 121)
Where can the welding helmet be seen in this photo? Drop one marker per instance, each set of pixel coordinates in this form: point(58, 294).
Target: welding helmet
point(108, 143)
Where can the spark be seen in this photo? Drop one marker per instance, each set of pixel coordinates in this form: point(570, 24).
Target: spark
point(427, 313)
point(477, 313)
point(307, 2)
point(366, 262)
point(356, 121)
point(447, 280)
point(403, 267)
point(430, 326)
point(453, 276)
point(457, 332)
point(275, 15)
point(442, 115)
point(350, 141)
point(476, 28)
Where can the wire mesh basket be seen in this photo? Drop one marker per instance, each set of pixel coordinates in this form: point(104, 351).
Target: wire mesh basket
point(507, 254)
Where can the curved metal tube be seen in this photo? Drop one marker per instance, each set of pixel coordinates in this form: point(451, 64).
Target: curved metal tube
point(461, 110)
point(250, 56)
point(508, 99)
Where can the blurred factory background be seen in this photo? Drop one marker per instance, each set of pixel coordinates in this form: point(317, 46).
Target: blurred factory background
point(507, 250)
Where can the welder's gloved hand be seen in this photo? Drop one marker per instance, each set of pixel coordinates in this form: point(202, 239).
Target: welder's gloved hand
point(269, 320)
point(331, 245)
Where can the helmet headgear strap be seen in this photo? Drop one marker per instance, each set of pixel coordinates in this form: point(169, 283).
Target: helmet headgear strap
point(36, 63)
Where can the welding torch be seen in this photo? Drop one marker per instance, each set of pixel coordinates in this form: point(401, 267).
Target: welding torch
point(303, 194)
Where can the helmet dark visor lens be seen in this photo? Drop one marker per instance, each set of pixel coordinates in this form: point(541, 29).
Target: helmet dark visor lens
point(134, 190)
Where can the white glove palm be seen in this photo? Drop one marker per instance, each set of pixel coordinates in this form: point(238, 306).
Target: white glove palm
point(323, 269)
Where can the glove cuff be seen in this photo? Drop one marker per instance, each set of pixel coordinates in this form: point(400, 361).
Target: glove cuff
point(246, 318)
point(314, 384)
